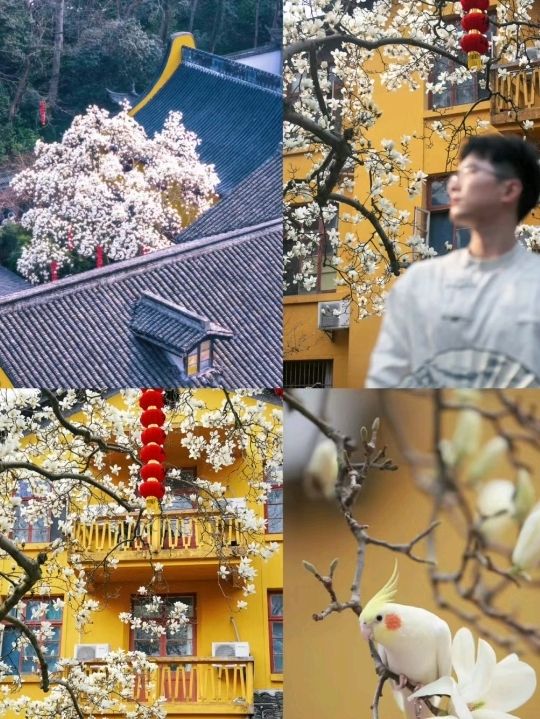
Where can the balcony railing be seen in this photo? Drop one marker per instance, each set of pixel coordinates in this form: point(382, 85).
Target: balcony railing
point(212, 684)
point(180, 534)
point(516, 90)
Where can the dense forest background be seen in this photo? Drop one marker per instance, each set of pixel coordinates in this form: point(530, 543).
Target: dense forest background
point(59, 56)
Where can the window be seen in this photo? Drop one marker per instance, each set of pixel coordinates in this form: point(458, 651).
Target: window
point(274, 510)
point(440, 231)
point(181, 488)
point(33, 613)
point(200, 358)
point(307, 373)
point(317, 263)
point(275, 620)
point(180, 643)
point(37, 529)
point(462, 94)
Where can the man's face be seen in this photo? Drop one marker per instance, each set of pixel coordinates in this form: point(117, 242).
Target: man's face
point(477, 193)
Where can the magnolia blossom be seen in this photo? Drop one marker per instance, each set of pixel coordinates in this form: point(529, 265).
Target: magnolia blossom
point(526, 554)
point(107, 185)
point(322, 471)
point(495, 503)
point(487, 458)
point(484, 688)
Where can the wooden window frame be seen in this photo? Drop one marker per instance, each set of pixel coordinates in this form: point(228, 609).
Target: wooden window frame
point(274, 619)
point(33, 624)
point(274, 488)
point(138, 599)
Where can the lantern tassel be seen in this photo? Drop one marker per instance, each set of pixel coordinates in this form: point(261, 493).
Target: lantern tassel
point(474, 61)
point(152, 505)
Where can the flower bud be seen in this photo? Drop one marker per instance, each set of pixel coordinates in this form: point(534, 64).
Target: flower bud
point(525, 495)
point(487, 458)
point(322, 471)
point(466, 437)
point(526, 554)
point(496, 507)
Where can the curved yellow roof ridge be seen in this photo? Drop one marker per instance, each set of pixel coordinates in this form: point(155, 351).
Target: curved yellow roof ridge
point(5, 382)
point(177, 42)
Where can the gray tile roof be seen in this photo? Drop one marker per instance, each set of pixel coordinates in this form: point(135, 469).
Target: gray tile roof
point(10, 282)
point(257, 199)
point(76, 332)
point(235, 110)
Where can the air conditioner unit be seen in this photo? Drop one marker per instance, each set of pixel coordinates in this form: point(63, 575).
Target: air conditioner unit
point(334, 315)
point(227, 650)
point(85, 652)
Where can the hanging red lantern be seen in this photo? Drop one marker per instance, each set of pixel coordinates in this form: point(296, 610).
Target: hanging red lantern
point(469, 5)
point(153, 434)
point(152, 416)
point(152, 452)
point(42, 113)
point(152, 455)
point(99, 256)
point(149, 489)
point(153, 470)
point(54, 271)
point(151, 398)
point(476, 24)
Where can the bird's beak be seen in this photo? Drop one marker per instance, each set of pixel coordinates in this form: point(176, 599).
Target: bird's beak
point(367, 632)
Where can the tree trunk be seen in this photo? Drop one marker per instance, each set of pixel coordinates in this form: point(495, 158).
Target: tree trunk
point(21, 89)
point(165, 21)
point(57, 51)
point(194, 4)
point(218, 22)
point(257, 14)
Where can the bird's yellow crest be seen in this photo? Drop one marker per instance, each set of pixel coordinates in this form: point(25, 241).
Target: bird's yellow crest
point(383, 596)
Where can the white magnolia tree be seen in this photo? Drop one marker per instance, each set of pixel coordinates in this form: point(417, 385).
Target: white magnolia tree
point(108, 190)
point(56, 471)
point(336, 54)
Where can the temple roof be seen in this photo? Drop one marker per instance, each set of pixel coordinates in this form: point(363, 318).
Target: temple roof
point(79, 331)
point(10, 282)
point(258, 198)
point(235, 110)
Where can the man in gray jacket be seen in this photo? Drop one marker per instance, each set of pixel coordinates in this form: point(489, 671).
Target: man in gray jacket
point(471, 318)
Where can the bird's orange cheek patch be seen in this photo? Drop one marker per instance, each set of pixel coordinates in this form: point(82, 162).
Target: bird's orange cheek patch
point(392, 621)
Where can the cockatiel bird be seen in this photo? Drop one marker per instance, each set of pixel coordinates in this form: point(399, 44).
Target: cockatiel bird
point(412, 642)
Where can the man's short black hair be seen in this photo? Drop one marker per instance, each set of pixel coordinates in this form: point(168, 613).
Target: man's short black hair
point(512, 157)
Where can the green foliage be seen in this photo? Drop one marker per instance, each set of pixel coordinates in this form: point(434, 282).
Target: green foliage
point(13, 238)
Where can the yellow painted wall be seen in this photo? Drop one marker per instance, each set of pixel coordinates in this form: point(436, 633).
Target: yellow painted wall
point(214, 605)
point(329, 670)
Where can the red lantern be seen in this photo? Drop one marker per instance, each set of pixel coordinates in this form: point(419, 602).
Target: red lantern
point(153, 434)
point(42, 113)
point(475, 21)
point(152, 416)
point(151, 488)
point(151, 398)
point(99, 256)
point(54, 271)
point(475, 43)
point(152, 451)
point(469, 5)
point(153, 470)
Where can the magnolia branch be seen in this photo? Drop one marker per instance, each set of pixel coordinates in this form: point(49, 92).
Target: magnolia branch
point(32, 574)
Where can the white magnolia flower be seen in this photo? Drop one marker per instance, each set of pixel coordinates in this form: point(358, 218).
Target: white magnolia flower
point(526, 554)
point(322, 471)
point(484, 688)
point(487, 458)
point(495, 504)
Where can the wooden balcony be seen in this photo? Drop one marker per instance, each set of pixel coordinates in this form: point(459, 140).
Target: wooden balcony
point(180, 540)
point(195, 685)
point(517, 94)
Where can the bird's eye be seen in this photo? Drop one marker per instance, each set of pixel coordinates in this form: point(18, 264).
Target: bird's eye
point(379, 617)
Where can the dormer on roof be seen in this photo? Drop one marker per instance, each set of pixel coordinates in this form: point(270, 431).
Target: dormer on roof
point(178, 331)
